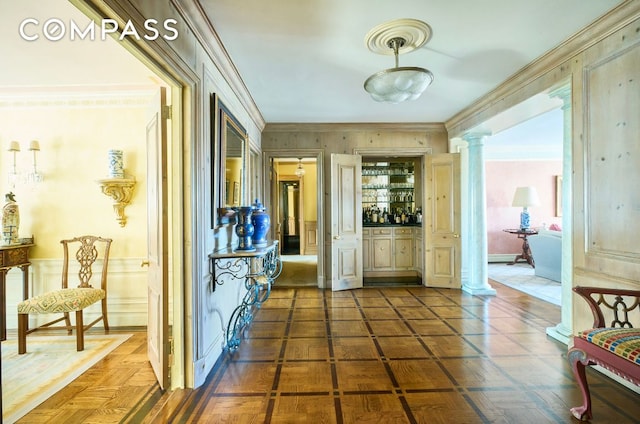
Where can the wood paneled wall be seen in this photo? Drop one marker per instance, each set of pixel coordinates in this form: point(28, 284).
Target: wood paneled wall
point(384, 139)
point(602, 66)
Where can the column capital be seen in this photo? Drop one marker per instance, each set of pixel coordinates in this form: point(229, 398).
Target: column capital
point(564, 94)
point(475, 137)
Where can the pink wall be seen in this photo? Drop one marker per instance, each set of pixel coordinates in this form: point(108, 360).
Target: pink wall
point(502, 179)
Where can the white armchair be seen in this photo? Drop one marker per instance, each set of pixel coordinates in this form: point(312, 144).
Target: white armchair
point(546, 249)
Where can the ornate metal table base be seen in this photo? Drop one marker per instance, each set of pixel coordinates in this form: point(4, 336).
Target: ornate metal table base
point(258, 269)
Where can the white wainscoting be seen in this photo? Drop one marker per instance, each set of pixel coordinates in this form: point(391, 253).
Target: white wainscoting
point(126, 291)
point(310, 237)
point(502, 257)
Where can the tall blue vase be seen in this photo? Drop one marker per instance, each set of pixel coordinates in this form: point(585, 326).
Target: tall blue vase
point(261, 223)
point(244, 229)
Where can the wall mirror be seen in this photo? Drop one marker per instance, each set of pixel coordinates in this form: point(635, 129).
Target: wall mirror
point(255, 168)
point(233, 167)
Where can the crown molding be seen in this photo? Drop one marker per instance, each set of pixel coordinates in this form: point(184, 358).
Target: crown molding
point(363, 126)
point(597, 31)
point(76, 97)
point(195, 17)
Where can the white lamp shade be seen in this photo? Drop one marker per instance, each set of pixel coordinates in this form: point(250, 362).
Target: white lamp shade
point(525, 197)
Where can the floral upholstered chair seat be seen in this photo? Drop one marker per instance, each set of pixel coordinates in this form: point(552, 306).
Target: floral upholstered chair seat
point(64, 300)
point(89, 251)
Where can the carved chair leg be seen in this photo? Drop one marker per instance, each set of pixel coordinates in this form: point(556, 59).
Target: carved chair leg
point(23, 321)
point(67, 322)
point(578, 360)
point(105, 321)
point(79, 331)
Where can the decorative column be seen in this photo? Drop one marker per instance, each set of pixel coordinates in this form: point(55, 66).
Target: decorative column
point(562, 331)
point(476, 239)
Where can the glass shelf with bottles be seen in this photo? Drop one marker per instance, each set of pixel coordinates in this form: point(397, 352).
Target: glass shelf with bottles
point(387, 169)
point(388, 184)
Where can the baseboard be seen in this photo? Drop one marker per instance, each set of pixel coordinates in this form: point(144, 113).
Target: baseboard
point(501, 257)
point(629, 385)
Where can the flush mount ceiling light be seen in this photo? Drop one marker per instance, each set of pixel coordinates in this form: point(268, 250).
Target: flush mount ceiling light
point(398, 84)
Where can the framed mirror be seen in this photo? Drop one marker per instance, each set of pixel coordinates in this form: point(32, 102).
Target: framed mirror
point(233, 163)
point(255, 173)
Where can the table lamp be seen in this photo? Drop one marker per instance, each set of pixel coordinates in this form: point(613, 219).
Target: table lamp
point(525, 197)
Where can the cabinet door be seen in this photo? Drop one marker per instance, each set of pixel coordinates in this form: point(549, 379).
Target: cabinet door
point(382, 253)
point(403, 253)
point(366, 253)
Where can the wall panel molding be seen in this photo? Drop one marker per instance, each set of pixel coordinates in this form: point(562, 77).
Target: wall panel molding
point(126, 291)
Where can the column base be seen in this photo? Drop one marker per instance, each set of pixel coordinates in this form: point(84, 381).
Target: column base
point(480, 291)
point(560, 333)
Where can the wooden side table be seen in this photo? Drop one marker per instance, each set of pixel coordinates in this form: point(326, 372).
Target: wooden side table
point(526, 251)
point(15, 256)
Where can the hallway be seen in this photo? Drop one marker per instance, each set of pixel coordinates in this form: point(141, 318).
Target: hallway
point(397, 355)
point(393, 355)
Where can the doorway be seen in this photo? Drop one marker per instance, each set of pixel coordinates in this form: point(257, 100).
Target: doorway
point(162, 264)
point(295, 211)
point(290, 218)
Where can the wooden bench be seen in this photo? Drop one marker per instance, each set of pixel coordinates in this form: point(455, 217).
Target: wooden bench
point(613, 342)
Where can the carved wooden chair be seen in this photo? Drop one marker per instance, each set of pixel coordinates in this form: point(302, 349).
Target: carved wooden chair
point(613, 342)
point(71, 299)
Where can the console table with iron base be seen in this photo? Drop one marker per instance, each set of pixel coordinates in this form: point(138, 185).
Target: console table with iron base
point(258, 269)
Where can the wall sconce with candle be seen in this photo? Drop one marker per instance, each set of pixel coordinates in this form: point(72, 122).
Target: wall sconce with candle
point(31, 177)
point(13, 176)
point(34, 177)
point(118, 186)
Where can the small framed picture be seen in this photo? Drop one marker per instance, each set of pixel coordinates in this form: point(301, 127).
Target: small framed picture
point(236, 193)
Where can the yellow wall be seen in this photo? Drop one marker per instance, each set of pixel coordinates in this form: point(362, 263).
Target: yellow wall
point(310, 195)
point(74, 144)
point(234, 176)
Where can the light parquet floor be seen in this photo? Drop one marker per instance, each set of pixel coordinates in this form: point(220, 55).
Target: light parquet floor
point(391, 355)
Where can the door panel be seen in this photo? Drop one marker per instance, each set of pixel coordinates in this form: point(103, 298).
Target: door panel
point(346, 222)
point(442, 221)
point(157, 246)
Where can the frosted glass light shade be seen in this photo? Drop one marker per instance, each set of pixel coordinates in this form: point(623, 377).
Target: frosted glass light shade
point(398, 84)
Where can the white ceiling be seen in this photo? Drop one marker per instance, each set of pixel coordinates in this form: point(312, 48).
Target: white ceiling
point(306, 61)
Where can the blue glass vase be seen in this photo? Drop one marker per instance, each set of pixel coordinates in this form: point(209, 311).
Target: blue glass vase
point(244, 229)
point(261, 223)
